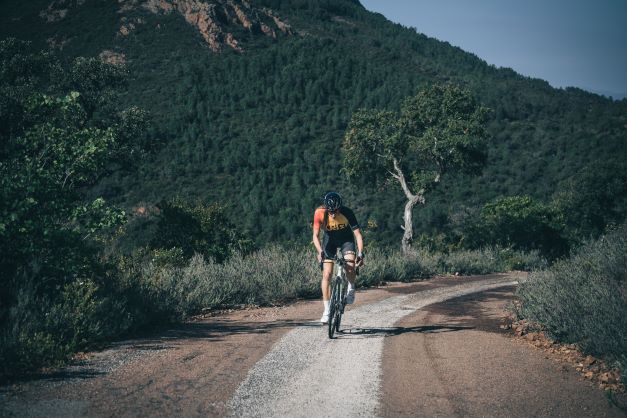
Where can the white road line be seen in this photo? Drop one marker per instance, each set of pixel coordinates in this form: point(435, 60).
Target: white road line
point(306, 374)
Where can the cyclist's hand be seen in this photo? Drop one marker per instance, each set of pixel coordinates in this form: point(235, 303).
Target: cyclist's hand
point(320, 258)
point(359, 262)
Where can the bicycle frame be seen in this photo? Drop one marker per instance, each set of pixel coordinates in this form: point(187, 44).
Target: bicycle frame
point(337, 303)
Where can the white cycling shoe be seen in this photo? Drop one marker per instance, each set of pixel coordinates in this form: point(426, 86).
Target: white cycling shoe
point(325, 318)
point(350, 297)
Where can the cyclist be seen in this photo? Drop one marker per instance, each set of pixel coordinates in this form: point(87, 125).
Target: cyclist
point(341, 230)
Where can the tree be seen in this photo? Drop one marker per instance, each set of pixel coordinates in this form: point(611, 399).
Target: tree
point(52, 150)
point(593, 199)
point(438, 131)
point(60, 133)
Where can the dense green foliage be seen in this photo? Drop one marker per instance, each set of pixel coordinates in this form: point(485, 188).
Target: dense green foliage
point(519, 222)
point(582, 299)
point(69, 276)
point(197, 229)
point(260, 131)
point(438, 130)
point(54, 145)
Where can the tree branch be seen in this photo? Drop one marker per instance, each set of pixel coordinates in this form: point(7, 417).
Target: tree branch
point(68, 173)
point(393, 175)
point(401, 179)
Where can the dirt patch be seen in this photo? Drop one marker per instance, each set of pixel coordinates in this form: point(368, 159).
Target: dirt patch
point(461, 362)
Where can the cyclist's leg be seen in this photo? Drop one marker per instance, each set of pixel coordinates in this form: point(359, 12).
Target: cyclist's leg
point(328, 248)
point(327, 271)
point(348, 250)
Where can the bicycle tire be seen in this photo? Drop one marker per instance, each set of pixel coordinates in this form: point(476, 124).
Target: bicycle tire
point(335, 313)
point(340, 310)
point(332, 312)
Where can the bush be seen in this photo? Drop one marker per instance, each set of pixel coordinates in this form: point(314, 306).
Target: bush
point(520, 223)
point(480, 261)
point(157, 287)
point(582, 299)
point(46, 330)
point(169, 292)
point(197, 228)
point(383, 266)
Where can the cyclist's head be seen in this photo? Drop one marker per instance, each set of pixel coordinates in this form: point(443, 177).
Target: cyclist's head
point(332, 201)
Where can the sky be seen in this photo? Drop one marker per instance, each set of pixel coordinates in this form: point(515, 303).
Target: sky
point(580, 43)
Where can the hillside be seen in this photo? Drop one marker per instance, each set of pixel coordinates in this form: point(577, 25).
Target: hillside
point(250, 100)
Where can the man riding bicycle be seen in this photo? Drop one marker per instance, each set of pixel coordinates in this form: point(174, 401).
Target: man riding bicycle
point(341, 230)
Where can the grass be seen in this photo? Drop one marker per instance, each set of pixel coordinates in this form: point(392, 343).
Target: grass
point(276, 275)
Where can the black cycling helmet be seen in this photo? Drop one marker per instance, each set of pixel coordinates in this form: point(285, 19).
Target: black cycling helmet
point(332, 201)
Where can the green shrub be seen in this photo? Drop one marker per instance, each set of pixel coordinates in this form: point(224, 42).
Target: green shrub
point(386, 266)
point(480, 261)
point(167, 292)
point(46, 330)
point(592, 199)
point(197, 228)
point(582, 299)
point(521, 223)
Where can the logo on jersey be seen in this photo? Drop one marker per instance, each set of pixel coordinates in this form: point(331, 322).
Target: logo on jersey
point(337, 223)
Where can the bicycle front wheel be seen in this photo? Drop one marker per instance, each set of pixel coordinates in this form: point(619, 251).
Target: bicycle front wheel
point(331, 323)
point(334, 309)
point(339, 310)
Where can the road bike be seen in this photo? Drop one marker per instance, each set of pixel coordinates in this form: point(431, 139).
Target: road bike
point(339, 287)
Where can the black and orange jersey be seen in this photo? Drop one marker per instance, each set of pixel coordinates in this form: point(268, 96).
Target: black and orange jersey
point(341, 226)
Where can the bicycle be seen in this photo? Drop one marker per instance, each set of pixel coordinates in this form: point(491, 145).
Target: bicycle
point(337, 303)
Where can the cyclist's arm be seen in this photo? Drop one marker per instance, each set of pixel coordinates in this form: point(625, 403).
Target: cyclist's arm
point(359, 240)
point(316, 232)
point(316, 239)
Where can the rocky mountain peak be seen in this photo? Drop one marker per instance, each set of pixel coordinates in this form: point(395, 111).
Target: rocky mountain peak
point(212, 19)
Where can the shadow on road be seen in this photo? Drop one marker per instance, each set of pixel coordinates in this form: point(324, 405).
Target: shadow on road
point(392, 331)
point(219, 330)
point(118, 353)
point(62, 375)
point(472, 311)
point(462, 313)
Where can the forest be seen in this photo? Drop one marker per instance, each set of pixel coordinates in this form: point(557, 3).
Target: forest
point(261, 131)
